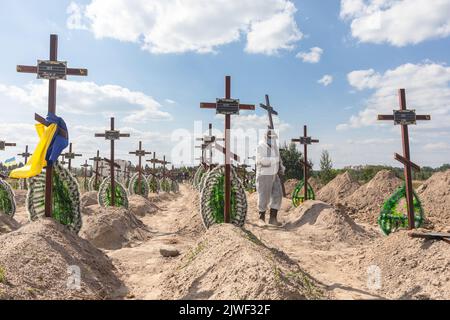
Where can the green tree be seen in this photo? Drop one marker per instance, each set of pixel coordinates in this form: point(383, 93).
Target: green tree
point(326, 168)
point(291, 160)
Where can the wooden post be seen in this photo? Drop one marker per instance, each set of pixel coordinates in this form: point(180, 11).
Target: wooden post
point(85, 166)
point(71, 156)
point(405, 117)
point(52, 71)
point(96, 160)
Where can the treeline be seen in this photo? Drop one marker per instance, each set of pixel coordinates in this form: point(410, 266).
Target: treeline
point(291, 157)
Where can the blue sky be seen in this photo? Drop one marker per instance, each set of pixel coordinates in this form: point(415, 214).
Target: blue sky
point(139, 62)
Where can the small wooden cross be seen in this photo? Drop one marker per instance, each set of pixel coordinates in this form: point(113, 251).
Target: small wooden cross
point(305, 141)
point(227, 107)
point(25, 154)
point(154, 161)
point(112, 135)
point(97, 160)
point(85, 166)
point(52, 70)
point(71, 156)
point(404, 118)
point(140, 153)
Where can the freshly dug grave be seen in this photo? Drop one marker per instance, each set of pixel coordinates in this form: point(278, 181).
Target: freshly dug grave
point(228, 263)
point(323, 222)
point(35, 261)
point(8, 224)
point(364, 204)
point(338, 189)
point(140, 206)
point(435, 197)
point(190, 222)
point(410, 268)
point(112, 228)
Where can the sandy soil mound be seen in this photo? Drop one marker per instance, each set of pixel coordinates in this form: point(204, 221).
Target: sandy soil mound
point(35, 262)
point(435, 197)
point(8, 224)
point(163, 196)
point(89, 199)
point(338, 189)
point(190, 222)
point(140, 206)
point(410, 268)
point(290, 185)
point(324, 222)
point(229, 263)
point(112, 228)
point(365, 203)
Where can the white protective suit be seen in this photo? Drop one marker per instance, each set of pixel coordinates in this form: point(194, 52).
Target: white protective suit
point(268, 184)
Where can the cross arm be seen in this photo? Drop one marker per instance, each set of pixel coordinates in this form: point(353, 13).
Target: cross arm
point(307, 164)
point(77, 72)
point(26, 69)
point(7, 144)
point(222, 149)
point(269, 109)
point(109, 161)
point(42, 120)
point(407, 162)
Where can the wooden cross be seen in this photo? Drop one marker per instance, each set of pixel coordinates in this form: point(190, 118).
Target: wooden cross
point(63, 161)
point(254, 159)
point(140, 153)
point(227, 107)
point(25, 154)
point(52, 70)
point(164, 163)
point(71, 156)
point(112, 135)
point(4, 144)
point(85, 166)
point(97, 161)
point(404, 118)
point(208, 142)
point(305, 141)
point(270, 112)
point(154, 161)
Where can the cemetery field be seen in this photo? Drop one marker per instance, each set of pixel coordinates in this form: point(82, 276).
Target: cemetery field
point(158, 248)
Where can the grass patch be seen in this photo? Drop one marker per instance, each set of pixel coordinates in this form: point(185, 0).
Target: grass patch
point(2, 275)
point(193, 254)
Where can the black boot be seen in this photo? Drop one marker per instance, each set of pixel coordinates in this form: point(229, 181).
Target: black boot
point(273, 218)
point(262, 216)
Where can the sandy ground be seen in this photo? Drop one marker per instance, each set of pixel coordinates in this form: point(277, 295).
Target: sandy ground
point(333, 257)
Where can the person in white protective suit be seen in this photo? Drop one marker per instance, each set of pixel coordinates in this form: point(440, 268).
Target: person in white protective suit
point(268, 184)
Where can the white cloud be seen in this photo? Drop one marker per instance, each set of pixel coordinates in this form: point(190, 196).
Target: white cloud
point(313, 56)
point(397, 22)
point(427, 91)
point(438, 146)
point(177, 26)
point(326, 80)
point(89, 98)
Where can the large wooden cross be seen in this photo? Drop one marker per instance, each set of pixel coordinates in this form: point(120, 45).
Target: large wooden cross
point(52, 70)
point(4, 144)
point(404, 118)
point(305, 141)
point(140, 153)
point(97, 159)
point(71, 156)
point(227, 107)
point(112, 135)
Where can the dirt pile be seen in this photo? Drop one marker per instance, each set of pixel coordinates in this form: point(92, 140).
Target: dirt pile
point(37, 259)
point(365, 203)
point(8, 224)
point(89, 199)
point(410, 268)
point(140, 206)
point(435, 197)
point(190, 222)
point(112, 228)
point(323, 222)
point(290, 185)
point(338, 189)
point(229, 263)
